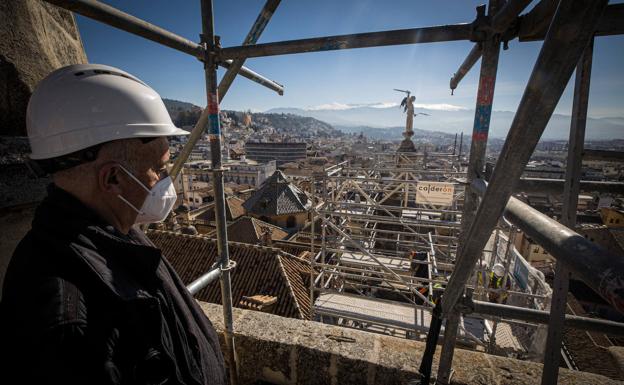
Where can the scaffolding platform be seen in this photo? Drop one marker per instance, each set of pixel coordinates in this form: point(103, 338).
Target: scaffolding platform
point(362, 260)
point(387, 313)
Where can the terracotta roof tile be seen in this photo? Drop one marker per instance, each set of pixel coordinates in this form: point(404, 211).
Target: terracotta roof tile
point(249, 230)
point(233, 210)
point(259, 271)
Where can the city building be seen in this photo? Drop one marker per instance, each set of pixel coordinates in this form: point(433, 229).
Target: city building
point(612, 217)
point(242, 171)
point(279, 202)
point(281, 152)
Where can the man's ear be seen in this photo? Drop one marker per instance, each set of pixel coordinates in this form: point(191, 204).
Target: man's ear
point(109, 179)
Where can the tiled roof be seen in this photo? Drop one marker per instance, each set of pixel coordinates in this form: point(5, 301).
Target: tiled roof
point(587, 349)
point(249, 230)
point(295, 248)
point(233, 210)
point(235, 207)
point(259, 271)
point(277, 196)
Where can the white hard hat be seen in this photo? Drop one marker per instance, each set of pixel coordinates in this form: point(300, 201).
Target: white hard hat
point(498, 269)
point(79, 106)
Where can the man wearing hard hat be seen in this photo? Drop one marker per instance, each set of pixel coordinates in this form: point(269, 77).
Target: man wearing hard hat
point(87, 297)
point(496, 283)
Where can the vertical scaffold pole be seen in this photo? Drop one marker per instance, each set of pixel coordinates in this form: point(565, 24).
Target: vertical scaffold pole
point(483, 113)
point(571, 29)
point(480, 131)
point(571, 190)
point(214, 135)
point(461, 145)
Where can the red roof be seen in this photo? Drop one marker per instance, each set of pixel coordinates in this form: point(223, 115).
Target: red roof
point(259, 271)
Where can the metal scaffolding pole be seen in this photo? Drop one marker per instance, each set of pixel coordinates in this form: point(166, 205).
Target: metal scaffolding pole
point(486, 309)
point(570, 31)
point(461, 145)
point(600, 269)
point(359, 40)
point(555, 186)
point(111, 16)
point(473, 56)
point(507, 14)
point(214, 132)
point(556, 62)
point(500, 22)
point(481, 127)
point(255, 77)
point(234, 67)
point(252, 37)
point(559, 301)
point(534, 27)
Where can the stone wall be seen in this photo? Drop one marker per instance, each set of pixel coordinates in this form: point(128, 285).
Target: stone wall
point(35, 39)
point(288, 351)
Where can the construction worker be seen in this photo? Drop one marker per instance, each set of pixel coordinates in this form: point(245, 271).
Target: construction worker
point(437, 291)
point(88, 299)
point(496, 283)
point(481, 275)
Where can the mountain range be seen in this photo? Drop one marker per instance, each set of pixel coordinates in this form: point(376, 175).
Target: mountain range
point(445, 119)
point(184, 114)
point(386, 120)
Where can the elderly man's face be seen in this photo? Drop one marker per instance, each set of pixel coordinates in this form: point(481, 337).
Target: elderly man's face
point(156, 155)
point(150, 167)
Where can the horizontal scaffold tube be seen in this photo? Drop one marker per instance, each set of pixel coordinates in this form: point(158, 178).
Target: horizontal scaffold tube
point(106, 14)
point(203, 281)
point(358, 40)
point(542, 317)
point(600, 269)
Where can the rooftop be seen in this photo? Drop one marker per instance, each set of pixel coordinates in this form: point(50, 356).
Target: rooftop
point(251, 230)
point(259, 271)
point(277, 196)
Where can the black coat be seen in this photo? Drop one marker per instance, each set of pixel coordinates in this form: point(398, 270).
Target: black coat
point(85, 304)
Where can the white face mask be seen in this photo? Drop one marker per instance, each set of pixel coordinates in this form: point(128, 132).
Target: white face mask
point(159, 202)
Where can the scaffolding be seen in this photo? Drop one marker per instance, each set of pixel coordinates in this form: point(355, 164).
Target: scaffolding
point(384, 259)
point(567, 27)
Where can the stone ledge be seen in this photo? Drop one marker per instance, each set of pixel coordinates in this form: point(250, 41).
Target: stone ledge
point(289, 351)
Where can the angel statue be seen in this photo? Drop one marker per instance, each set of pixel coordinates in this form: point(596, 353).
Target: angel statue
point(408, 107)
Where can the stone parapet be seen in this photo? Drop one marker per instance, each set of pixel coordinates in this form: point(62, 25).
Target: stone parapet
point(288, 351)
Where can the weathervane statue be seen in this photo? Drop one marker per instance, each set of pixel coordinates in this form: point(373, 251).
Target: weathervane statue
point(408, 106)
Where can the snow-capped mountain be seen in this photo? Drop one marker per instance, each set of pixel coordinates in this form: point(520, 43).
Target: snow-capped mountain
point(446, 118)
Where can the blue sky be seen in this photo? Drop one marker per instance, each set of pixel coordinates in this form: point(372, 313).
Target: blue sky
point(346, 77)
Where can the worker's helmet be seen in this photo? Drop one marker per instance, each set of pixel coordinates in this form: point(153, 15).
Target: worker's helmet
point(83, 105)
point(499, 270)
